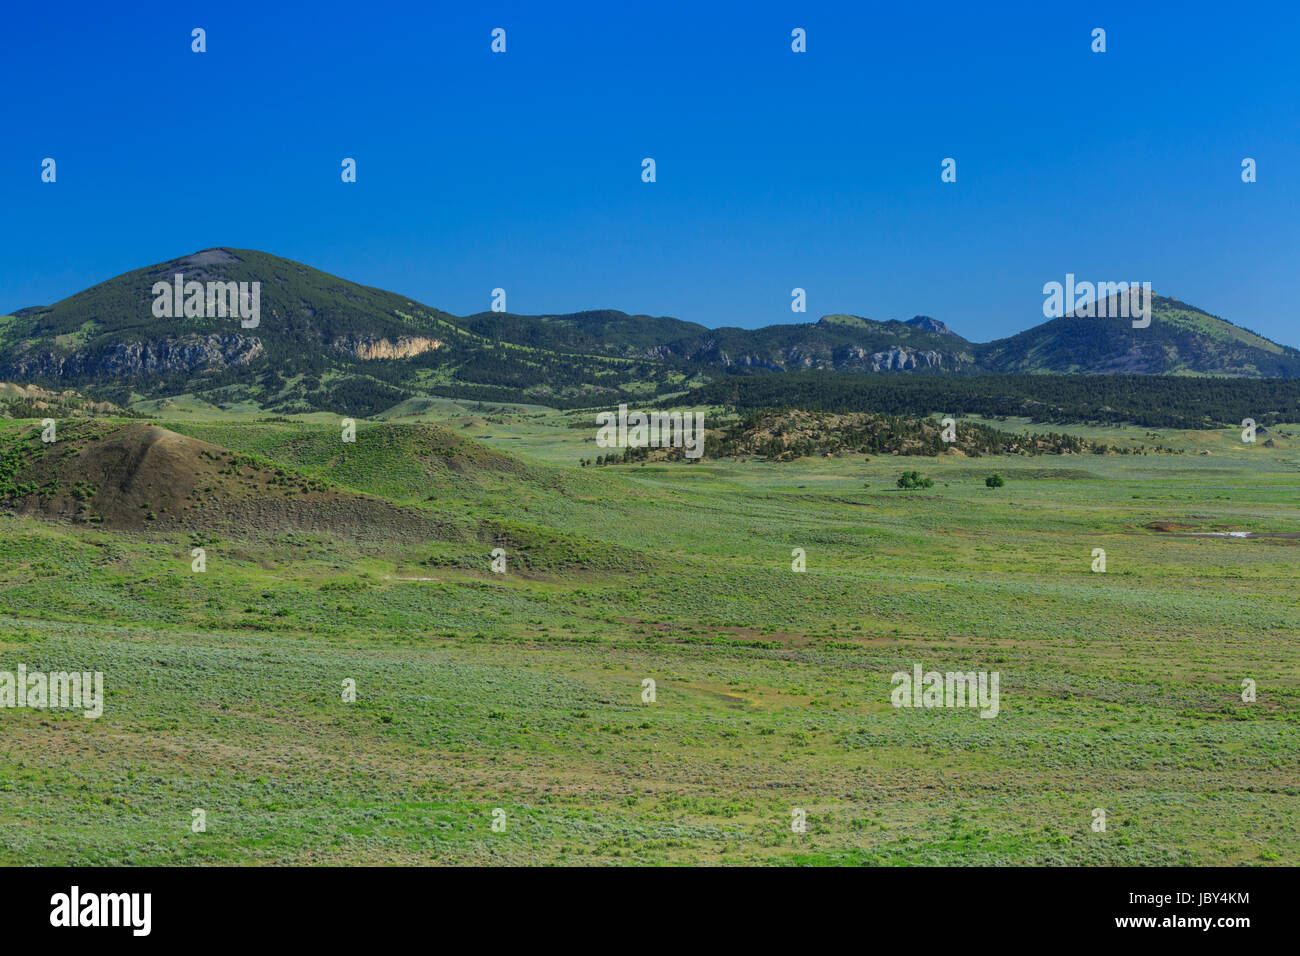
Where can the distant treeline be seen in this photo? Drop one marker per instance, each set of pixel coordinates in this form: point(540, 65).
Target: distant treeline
point(1152, 401)
point(784, 435)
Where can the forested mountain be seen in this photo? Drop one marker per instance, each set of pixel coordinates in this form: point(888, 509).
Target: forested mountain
point(1181, 339)
point(319, 342)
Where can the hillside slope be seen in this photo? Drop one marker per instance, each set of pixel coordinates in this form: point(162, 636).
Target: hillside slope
point(137, 476)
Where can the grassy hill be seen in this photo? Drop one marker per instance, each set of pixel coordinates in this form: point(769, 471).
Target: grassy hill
point(138, 476)
point(413, 483)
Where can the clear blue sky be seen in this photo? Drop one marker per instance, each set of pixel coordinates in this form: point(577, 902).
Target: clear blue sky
point(775, 169)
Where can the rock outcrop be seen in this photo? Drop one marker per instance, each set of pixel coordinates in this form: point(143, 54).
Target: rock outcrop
point(184, 354)
point(404, 347)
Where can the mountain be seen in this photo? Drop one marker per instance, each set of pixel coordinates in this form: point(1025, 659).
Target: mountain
point(320, 342)
point(1181, 339)
point(844, 342)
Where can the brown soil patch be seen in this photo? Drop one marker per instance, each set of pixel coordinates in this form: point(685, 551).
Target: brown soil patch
point(140, 477)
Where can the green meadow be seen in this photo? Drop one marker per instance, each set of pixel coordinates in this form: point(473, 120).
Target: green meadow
point(522, 692)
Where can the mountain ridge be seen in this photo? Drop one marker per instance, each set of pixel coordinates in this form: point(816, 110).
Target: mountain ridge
point(321, 342)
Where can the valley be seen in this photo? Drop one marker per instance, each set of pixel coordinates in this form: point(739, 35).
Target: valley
point(523, 692)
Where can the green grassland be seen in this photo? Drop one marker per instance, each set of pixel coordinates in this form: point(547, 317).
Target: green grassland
point(523, 691)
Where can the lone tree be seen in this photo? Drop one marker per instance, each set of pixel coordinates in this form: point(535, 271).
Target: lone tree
point(994, 480)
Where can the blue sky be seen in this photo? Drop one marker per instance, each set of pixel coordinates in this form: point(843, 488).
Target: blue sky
point(775, 170)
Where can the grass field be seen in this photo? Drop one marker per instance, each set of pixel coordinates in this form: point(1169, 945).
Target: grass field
point(522, 691)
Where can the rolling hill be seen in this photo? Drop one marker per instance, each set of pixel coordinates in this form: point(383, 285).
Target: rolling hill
point(396, 485)
point(137, 476)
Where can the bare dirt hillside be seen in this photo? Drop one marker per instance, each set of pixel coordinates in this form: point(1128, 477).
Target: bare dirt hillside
point(137, 476)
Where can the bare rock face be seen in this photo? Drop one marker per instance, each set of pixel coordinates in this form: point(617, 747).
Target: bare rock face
point(900, 357)
point(404, 347)
point(205, 258)
point(927, 324)
point(189, 353)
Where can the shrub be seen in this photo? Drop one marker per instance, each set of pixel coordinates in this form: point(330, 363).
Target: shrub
point(913, 479)
point(994, 481)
